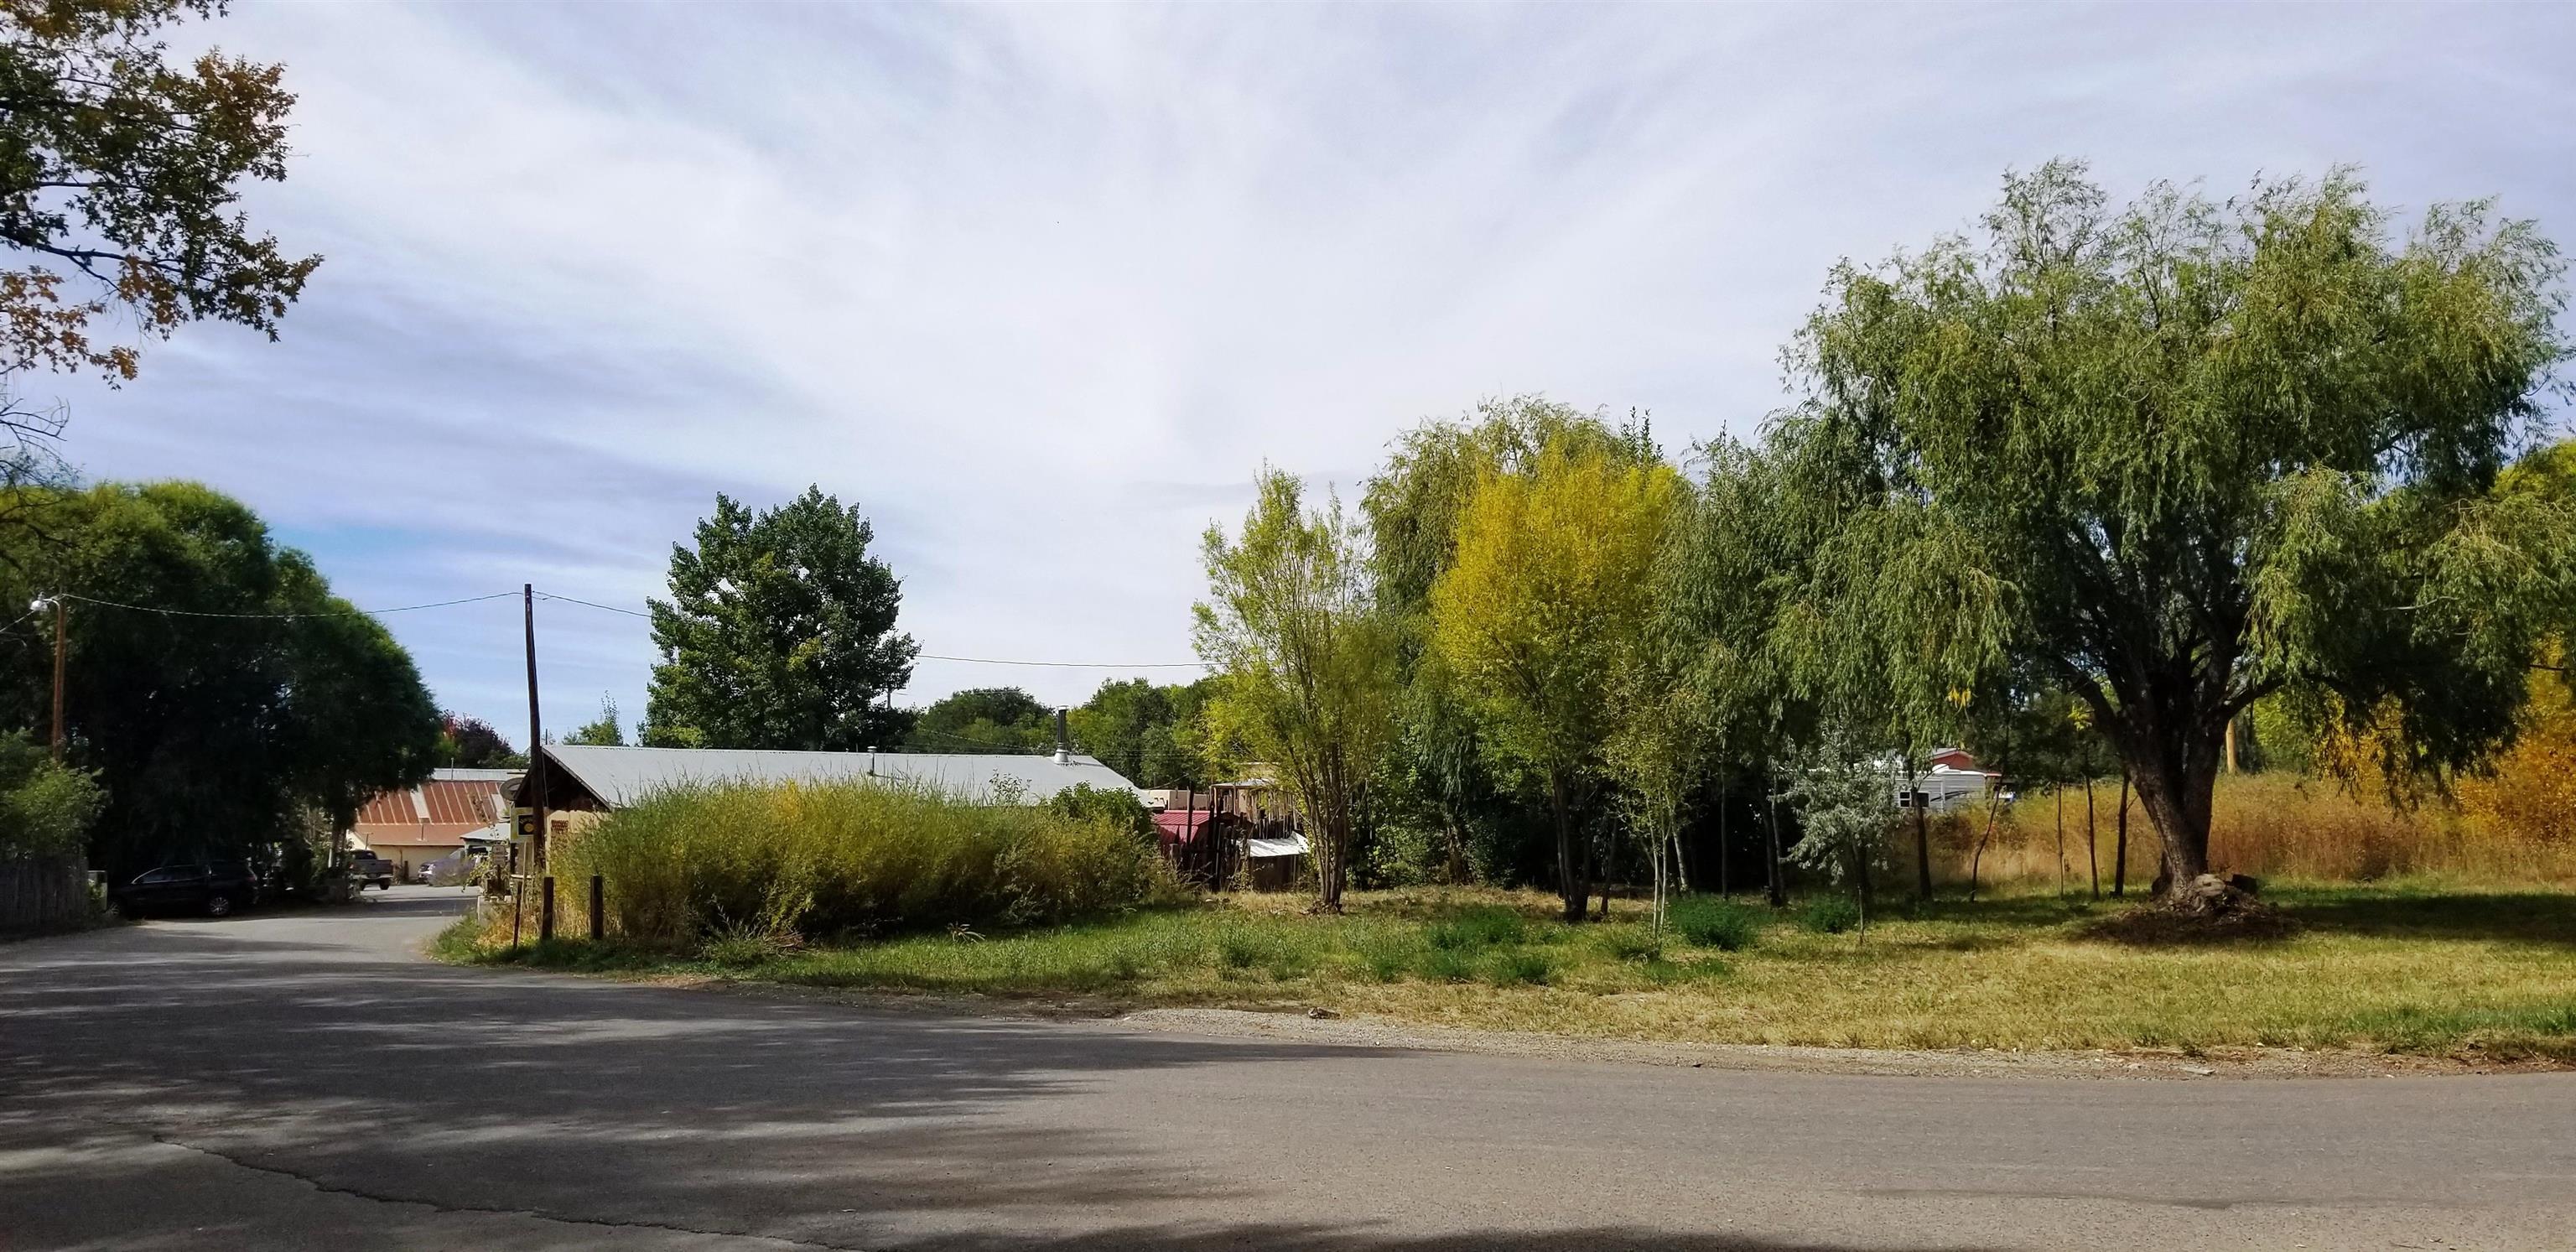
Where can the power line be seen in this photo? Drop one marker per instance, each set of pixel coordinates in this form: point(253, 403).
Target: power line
point(403, 608)
point(935, 656)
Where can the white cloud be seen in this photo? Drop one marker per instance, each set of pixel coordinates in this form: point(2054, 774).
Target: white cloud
point(1041, 287)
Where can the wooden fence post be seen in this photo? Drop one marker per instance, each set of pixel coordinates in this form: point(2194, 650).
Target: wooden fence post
point(598, 913)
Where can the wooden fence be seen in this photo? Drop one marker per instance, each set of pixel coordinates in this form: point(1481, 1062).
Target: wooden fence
point(43, 892)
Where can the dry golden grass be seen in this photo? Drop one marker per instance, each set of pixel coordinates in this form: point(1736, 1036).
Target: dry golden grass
point(2274, 825)
point(2419, 967)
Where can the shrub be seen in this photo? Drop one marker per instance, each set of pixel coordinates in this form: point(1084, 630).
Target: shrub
point(1083, 802)
point(826, 858)
point(1482, 927)
point(1829, 915)
point(1714, 922)
point(45, 809)
point(1519, 967)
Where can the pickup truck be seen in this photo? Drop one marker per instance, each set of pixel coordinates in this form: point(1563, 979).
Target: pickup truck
point(370, 869)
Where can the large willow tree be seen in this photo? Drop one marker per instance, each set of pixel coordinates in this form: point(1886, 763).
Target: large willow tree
point(2184, 454)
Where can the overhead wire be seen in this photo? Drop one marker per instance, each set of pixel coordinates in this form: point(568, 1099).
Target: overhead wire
point(588, 604)
point(936, 656)
point(349, 612)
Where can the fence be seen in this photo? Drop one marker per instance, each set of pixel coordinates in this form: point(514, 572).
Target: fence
point(40, 893)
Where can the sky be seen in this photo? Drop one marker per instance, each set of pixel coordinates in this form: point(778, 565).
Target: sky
point(1040, 289)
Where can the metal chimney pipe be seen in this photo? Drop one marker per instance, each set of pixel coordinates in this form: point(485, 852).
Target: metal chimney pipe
point(1063, 741)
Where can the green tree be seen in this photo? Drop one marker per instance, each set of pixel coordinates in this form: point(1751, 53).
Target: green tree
point(604, 732)
point(779, 633)
point(120, 169)
point(1551, 585)
point(1439, 769)
point(1846, 813)
point(2183, 455)
point(1304, 660)
point(241, 697)
point(983, 719)
point(1148, 733)
point(472, 743)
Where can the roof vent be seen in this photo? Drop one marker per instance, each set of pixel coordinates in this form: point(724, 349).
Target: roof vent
point(1063, 743)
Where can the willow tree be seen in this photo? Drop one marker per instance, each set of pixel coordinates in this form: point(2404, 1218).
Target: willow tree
point(1304, 660)
point(1550, 589)
point(2183, 454)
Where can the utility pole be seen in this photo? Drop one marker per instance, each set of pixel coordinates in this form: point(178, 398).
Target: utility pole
point(62, 650)
point(534, 790)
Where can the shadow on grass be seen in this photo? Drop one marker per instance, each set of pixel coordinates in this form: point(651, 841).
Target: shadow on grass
point(2538, 917)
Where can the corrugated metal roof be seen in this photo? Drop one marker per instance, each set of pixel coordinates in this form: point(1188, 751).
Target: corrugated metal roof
point(620, 776)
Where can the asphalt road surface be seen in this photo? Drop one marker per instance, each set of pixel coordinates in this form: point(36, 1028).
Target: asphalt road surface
point(307, 1081)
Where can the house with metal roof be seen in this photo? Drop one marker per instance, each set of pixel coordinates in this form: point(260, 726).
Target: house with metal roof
point(412, 826)
point(597, 779)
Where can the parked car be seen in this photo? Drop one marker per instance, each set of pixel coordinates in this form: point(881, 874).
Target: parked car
point(370, 869)
point(214, 888)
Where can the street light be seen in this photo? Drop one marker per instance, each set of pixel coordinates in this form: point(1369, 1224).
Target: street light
point(39, 605)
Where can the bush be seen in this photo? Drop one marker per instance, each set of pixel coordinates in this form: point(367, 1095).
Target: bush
point(1829, 915)
point(821, 859)
point(1714, 922)
point(45, 809)
point(1084, 802)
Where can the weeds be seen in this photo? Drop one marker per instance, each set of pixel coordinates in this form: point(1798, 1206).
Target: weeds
point(825, 858)
point(1714, 922)
point(1829, 915)
point(2416, 967)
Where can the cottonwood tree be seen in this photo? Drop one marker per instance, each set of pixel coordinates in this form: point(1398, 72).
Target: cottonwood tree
point(605, 731)
point(2178, 456)
point(1304, 660)
point(1551, 586)
point(120, 166)
point(779, 633)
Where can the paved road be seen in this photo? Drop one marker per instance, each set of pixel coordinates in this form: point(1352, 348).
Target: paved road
point(305, 1081)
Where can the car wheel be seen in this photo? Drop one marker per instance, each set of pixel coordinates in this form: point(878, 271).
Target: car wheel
point(219, 906)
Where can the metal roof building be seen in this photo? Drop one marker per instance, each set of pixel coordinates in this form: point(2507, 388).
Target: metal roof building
point(588, 777)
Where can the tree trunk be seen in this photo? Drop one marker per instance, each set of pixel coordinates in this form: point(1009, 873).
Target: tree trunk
point(1725, 887)
point(1922, 846)
point(1779, 883)
point(2174, 783)
point(1570, 885)
point(2092, 841)
point(2057, 791)
point(2120, 851)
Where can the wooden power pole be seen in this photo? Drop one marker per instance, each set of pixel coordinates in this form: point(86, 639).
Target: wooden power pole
point(533, 791)
point(62, 636)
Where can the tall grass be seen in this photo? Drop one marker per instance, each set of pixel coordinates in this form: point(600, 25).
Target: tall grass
point(824, 859)
point(2272, 825)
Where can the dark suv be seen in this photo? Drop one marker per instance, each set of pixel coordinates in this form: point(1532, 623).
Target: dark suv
point(214, 888)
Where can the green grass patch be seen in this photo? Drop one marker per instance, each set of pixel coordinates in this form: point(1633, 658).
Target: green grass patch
point(2410, 967)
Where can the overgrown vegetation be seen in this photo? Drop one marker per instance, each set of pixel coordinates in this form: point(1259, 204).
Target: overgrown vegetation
point(2420, 967)
point(785, 863)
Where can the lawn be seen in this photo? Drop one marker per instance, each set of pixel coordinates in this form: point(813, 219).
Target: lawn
point(2418, 967)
